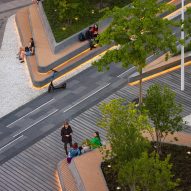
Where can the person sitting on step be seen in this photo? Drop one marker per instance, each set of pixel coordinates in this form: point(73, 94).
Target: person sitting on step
point(27, 51)
point(73, 152)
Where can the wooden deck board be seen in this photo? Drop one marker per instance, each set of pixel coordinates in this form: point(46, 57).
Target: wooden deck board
point(27, 168)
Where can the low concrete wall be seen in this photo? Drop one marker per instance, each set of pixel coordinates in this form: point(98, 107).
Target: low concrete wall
point(46, 25)
point(77, 177)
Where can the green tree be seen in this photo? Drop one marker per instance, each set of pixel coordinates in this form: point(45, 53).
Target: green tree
point(164, 112)
point(140, 32)
point(187, 23)
point(51, 11)
point(69, 10)
point(148, 173)
point(124, 125)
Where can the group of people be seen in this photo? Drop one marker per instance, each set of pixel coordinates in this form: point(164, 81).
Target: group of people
point(90, 35)
point(26, 51)
point(75, 149)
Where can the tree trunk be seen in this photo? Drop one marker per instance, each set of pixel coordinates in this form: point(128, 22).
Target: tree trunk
point(158, 142)
point(140, 87)
point(101, 4)
point(132, 187)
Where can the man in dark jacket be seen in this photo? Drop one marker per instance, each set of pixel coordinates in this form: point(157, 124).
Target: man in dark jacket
point(66, 134)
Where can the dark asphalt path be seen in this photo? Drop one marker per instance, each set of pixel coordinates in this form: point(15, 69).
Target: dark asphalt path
point(36, 119)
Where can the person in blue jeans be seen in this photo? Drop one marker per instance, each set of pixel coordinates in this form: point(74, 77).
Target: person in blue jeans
point(73, 152)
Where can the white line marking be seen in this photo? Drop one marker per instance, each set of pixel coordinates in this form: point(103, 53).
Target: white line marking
point(35, 123)
point(125, 72)
point(11, 142)
point(30, 112)
point(87, 97)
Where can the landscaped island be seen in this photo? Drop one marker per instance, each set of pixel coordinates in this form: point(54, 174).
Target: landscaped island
point(69, 17)
point(133, 163)
point(181, 168)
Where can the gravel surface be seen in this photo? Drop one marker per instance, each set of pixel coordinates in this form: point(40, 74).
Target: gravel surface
point(16, 87)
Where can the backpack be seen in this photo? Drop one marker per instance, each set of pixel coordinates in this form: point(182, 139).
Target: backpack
point(81, 37)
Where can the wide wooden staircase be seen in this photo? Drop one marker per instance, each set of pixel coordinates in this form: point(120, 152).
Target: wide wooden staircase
point(29, 23)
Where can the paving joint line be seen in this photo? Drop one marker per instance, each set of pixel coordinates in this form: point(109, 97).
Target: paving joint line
point(36, 123)
point(11, 142)
point(30, 112)
point(86, 97)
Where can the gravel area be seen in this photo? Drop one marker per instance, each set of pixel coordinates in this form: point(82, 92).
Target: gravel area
point(16, 87)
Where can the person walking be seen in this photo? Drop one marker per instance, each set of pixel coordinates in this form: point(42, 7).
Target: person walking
point(66, 134)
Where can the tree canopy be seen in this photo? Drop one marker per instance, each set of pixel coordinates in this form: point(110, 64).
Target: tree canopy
point(129, 149)
point(163, 111)
point(124, 124)
point(140, 31)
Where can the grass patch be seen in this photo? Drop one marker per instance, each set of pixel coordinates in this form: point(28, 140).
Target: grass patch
point(62, 30)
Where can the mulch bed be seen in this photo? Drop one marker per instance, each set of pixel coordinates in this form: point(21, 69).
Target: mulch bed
point(180, 159)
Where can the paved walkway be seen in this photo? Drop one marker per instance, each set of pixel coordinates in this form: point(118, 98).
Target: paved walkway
point(35, 167)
